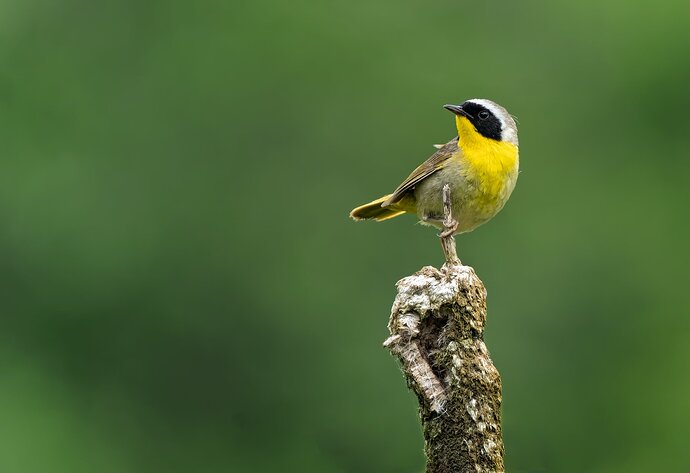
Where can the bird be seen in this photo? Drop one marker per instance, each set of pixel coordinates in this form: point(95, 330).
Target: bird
point(480, 165)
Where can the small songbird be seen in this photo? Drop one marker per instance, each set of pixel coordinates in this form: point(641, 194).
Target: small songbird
point(480, 165)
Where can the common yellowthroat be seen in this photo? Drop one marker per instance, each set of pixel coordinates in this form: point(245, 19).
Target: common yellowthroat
point(480, 165)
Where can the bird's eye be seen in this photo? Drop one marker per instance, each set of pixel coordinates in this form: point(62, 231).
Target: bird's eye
point(483, 114)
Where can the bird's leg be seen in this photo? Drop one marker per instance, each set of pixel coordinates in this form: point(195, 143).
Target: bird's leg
point(450, 225)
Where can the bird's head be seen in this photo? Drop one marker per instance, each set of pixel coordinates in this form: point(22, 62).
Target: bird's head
point(486, 118)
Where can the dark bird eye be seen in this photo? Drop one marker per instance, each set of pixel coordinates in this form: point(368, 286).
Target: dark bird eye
point(483, 114)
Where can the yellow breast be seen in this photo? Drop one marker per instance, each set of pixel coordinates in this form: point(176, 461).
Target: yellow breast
point(490, 164)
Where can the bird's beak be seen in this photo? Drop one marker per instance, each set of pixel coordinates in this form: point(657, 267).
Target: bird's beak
point(456, 109)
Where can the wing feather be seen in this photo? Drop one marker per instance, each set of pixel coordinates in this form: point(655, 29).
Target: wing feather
point(426, 169)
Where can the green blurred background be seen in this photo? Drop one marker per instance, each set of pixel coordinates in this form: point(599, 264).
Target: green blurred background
point(182, 290)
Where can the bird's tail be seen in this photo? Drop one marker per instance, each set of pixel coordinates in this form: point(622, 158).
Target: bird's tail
point(373, 210)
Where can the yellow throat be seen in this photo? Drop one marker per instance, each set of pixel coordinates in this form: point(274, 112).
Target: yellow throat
point(491, 163)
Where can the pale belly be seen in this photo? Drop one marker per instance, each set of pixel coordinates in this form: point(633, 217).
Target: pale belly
point(473, 203)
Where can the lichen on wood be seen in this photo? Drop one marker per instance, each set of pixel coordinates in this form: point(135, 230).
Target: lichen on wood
point(436, 331)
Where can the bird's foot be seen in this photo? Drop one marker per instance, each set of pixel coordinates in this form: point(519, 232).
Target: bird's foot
point(449, 228)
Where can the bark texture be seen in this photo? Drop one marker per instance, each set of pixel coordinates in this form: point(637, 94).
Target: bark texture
point(437, 326)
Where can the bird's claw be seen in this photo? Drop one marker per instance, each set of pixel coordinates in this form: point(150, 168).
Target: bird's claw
point(449, 229)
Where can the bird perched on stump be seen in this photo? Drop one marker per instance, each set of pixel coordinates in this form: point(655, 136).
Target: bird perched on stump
point(480, 165)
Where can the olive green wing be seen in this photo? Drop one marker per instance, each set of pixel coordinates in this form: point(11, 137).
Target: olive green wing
point(426, 169)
